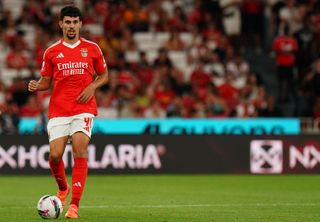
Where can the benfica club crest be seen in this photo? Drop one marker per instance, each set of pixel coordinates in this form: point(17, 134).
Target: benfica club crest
point(84, 52)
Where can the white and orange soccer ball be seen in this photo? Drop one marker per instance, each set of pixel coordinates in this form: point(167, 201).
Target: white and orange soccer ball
point(49, 207)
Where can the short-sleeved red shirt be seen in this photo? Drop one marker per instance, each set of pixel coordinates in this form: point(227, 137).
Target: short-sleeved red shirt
point(72, 68)
point(285, 48)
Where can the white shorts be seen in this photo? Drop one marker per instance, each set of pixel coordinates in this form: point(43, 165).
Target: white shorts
point(66, 126)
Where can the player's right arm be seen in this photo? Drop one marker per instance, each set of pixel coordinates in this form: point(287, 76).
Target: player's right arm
point(46, 72)
point(43, 83)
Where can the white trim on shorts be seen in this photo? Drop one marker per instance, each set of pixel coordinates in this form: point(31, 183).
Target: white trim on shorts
point(66, 126)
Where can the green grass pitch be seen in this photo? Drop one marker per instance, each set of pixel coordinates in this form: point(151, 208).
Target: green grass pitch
point(173, 198)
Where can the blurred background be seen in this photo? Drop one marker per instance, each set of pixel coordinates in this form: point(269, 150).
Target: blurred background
point(197, 88)
point(173, 58)
point(248, 67)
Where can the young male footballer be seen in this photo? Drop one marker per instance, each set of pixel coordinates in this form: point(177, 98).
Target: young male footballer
point(71, 64)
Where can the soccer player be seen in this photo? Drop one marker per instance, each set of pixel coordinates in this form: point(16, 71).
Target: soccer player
point(71, 63)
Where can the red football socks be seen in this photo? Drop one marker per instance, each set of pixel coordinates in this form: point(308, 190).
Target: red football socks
point(57, 170)
point(79, 176)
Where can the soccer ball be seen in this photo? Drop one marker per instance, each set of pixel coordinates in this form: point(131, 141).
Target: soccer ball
point(49, 207)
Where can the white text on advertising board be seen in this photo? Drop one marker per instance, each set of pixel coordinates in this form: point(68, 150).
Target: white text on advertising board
point(117, 157)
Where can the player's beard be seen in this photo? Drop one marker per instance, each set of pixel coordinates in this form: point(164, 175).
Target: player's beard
point(72, 35)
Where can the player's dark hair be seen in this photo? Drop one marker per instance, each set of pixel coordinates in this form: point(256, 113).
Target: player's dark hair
point(71, 11)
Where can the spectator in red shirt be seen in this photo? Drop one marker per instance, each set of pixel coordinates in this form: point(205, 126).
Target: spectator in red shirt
point(164, 94)
point(112, 20)
point(199, 78)
point(32, 108)
point(16, 58)
point(285, 47)
point(179, 20)
point(228, 92)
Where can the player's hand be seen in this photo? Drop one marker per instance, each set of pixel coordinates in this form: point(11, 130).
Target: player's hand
point(86, 95)
point(33, 86)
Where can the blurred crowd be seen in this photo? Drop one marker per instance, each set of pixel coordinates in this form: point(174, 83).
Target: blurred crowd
point(170, 58)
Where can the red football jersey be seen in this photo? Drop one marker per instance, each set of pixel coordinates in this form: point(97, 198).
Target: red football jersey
point(72, 68)
point(285, 48)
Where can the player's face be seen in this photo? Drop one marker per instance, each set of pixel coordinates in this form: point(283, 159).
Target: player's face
point(70, 27)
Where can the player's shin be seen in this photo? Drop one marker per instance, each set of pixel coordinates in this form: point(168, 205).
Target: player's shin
point(79, 176)
point(57, 170)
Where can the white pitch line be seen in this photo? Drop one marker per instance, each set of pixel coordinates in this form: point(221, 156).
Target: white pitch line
point(205, 205)
point(184, 205)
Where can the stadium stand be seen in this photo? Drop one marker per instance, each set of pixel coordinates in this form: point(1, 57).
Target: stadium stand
point(183, 54)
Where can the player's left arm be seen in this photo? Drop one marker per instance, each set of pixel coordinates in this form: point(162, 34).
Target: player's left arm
point(101, 69)
point(89, 91)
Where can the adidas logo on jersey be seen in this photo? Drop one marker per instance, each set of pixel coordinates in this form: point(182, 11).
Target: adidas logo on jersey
point(60, 55)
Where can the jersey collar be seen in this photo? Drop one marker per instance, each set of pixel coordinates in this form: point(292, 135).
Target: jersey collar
point(72, 46)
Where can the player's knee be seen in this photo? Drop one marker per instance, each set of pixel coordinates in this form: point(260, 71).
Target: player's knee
point(55, 157)
point(80, 154)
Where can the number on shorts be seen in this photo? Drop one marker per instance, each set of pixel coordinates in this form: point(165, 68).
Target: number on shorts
point(88, 122)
